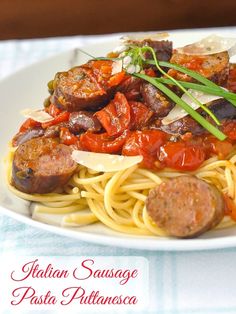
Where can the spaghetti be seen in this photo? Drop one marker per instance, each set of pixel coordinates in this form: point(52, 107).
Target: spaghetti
point(117, 199)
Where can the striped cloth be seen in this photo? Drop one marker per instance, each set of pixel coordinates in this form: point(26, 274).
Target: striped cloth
point(180, 283)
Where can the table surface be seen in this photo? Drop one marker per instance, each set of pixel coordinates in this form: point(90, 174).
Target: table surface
point(180, 282)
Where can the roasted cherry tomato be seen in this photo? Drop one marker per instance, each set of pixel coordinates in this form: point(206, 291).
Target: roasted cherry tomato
point(215, 147)
point(116, 79)
point(182, 155)
point(229, 128)
point(29, 124)
point(139, 114)
point(66, 137)
point(115, 117)
point(62, 117)
point(102, 143)
point(145, 143)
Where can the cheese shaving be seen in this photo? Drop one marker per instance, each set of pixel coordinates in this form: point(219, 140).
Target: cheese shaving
point(210, 45)
point(178, 112)
point(37, 115)
point(105, 162)
point(117, 67)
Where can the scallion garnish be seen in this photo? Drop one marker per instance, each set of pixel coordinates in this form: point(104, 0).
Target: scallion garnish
point(203, 88)
point(194, 114)
point(156, 63)
point(194, 75)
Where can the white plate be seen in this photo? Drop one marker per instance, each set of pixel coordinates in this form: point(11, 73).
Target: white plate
point(27, 88)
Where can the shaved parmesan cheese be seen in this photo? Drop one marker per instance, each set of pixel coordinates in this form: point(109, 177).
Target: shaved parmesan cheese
point(117, 67)
point(210, 45)
point(178, 112)
point(144, 36)
point(37, 115)
point(104, 162)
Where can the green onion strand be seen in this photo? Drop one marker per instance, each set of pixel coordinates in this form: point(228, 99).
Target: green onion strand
point(156, 63)
point(203, 88)
point(194, 114)
point(194, 75)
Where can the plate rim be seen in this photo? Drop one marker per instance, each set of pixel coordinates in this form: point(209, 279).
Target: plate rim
point(166, 244)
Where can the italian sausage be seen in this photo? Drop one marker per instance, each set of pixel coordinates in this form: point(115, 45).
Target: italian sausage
point(23, 137)
point(84, 87)
point(84, 121)
point(41, 165)
point(215, 67)
point(156, 100)
point(185, 206)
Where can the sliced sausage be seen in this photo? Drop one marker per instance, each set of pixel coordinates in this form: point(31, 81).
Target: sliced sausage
point(131, 88)
point(221, 108)
point(83, 87)
point(23, 137)
point(182, 126)
point(215, 67)
point(41, 165)
point(84, 121)
point(156, 100)
point(162, 48)
point(53, 131)
point(185, 206)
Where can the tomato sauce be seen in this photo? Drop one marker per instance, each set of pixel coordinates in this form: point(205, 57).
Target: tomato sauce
point(123, 123)
point(194, 64)
point(126, 128)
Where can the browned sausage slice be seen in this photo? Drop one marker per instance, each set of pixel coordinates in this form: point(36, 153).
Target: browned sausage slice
point(53, 131)
point(221, 108)
point(162, 48)
point(41, 165)
point(185, 206)
point(84, 120)
point(215, 67)
point(156, 100)
point(23, 137)
point(84, 87)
